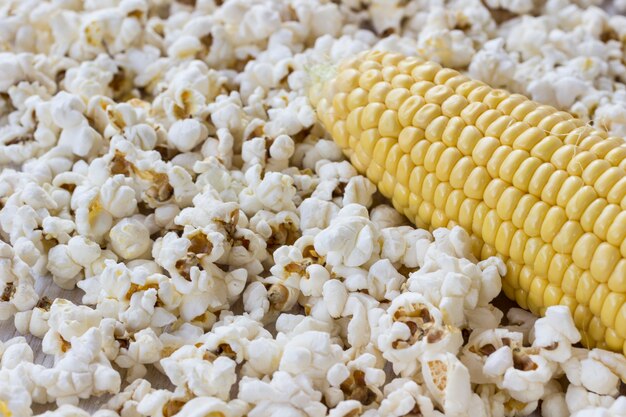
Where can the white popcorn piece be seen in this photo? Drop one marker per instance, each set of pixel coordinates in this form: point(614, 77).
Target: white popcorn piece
point(310, 354)
point(125, 402)
point(448, 381)
point(291, 395)
point(186, 134)
point(579, 400)
point(192, 367)
point(385, 216)
point(130, 238)
point(404, 395)
point(555, 333)
point(410, 328)
point(358, 380)
point(34, 321)
point(144, 349)
point(350, 239)
point(526, 381)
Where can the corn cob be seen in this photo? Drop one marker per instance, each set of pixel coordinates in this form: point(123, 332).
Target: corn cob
point(535, 186)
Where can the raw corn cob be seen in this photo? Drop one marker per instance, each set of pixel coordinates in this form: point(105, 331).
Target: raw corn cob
point(541, 189)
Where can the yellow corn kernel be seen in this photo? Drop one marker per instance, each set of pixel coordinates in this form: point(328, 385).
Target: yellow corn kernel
point(468, 139)
point(597, 299)
point(620, 321)
point(432, 156)
point(554, 220)
point(436, 129)
point(379, 92)
point(562, 157)
point(607, 180)
point(4, 409)
point(570, 279)
point(494, 190)
point(518, 243)
point(540, 178)
point(612, 303)
point(484, 148)
point(493, 166)
point(567, 190)
point(596, 330)
point(567, 237)
point(546, 147)
point(552, 295)
point(605, 220)
point(508, 202)
point(533, 185)
point(409, 108)
point(617, 280)
point(389, 125)
point(425, 115)
point(524, 206)
point(557, 268)
point(524, 174)
point(613, 341)
point(579, 202)
point(586, 286)
point(446, 163)
point(583, 249)
point(461, 171)
point(476, 183)
point(534, 220)
point(603, 261)
point(591, 214)
point(504, 237)
point(511, 164)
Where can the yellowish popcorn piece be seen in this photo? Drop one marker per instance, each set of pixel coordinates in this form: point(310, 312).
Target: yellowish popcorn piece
point(535, 186)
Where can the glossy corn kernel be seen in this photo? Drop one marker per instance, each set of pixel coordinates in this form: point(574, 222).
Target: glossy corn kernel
point(534, 185)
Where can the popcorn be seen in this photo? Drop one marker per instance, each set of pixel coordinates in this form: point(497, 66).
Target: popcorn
point(358, 380)
point(404, 395)
point(351, 235)
point(165, 159)
point(144, 349)
point(448, 382)
point(555, 333)
point(185, 135)
point(196, 369)
point(455, 284)
point(310, 354)
point(410, 328)
point(291, 395)
point(130, 238)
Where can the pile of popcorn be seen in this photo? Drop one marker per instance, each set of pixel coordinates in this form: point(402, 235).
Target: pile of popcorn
point(161, 158)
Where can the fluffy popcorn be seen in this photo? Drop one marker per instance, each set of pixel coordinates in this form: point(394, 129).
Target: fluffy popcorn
point(350, 239)
point(555, 333)
point(358, 380)
point(130, 238)
point(492, 64)
point(456, 284)
point(448, 381)
point(185, 135)
point(403, 395)
point(311, 353)
point(164, 158)
point(412, 327)
point(201, 373)
point(285, 394)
